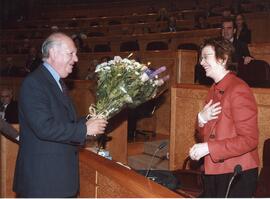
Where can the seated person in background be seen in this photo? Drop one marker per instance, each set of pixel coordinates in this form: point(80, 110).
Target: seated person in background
point(8, 107)
point(201, 22)
point(81, 43)
point(171, 25)
point(7, 130)
point(33, 60)
point(227, 12)
point(91, 75)
point(162, 15)
point(10, 69)
point(241, 54)
point(242, 31)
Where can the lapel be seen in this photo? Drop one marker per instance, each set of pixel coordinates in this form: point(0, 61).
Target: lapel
point(59, 94)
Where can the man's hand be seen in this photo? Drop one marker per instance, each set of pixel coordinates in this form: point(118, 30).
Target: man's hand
point(96, 126)
point(198, 151)
point(247, 60)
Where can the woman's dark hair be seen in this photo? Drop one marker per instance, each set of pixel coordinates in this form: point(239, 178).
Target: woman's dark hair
point(223, 50)
point(244, 20)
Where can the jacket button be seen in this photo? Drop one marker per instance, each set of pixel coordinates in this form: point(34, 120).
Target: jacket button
point(212, 136)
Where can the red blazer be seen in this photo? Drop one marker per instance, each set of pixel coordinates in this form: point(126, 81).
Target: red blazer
point(233, 137)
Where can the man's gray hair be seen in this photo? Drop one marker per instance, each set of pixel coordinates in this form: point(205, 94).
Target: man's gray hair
point(49, 43)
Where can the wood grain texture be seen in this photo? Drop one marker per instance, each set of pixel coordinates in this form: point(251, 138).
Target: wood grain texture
point(114, 180)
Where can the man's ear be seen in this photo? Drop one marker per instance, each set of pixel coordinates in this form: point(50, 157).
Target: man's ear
point(52, 53)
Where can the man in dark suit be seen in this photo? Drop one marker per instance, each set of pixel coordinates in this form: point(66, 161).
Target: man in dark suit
point(9, 107)
point(47, 162)
point(241, 54)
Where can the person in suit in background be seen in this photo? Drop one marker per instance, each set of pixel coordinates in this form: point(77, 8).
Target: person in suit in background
point(228, 125)
point(241, 54)
point(7, 130)
point(50, 132)
point(9, 107)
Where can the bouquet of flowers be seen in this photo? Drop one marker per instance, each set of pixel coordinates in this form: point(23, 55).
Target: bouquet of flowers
point(124, 83)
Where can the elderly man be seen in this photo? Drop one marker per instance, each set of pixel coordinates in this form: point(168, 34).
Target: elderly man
point(9, 107)
point(50, 133)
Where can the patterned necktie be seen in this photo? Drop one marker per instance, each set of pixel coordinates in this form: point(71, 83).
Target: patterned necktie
point(64, 87)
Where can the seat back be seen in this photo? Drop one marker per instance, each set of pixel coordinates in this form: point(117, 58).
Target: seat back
point(129, 46)
point(102, 48)
point(263, 186)
point(256, 73)
point(157, 45)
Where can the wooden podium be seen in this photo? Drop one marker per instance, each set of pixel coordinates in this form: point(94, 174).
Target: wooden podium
point(8, 155)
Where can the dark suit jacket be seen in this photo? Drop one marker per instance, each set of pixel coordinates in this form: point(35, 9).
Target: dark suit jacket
point(245, 36)
point(47, 163)
point(11, 112)
point(241, 50)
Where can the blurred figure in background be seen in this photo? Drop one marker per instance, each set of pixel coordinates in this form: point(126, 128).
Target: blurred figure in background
point(201, 22)
point(33, 60)
point(9, 107)
point(243, 33)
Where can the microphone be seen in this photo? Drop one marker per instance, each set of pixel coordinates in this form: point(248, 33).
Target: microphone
point(161, 146)
point(237, 170)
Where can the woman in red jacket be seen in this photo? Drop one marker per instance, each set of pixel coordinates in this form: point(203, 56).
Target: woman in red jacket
point(228, 126)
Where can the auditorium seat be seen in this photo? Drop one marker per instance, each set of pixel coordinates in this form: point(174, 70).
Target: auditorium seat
point(190, 178)
point(263, 186)
point(157, 45)
point(188, 46)
point(95, 34)
point(102, 48)
point(256, 73)
point(129, 46)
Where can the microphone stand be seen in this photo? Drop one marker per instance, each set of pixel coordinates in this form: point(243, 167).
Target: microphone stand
point(161, 146)
point(229, 186)
point(237, 170)
point(150, 165)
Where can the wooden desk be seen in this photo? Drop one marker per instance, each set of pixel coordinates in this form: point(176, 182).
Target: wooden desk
point(102, 178)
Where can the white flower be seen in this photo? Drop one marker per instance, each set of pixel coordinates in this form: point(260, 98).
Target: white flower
point(130, 67)
point(111, 62)
point(144, 68)
point(123, 89)
point(117, 58)
point(128, 99)
point(159, 82)
point(127, 61)
point(144, 77)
